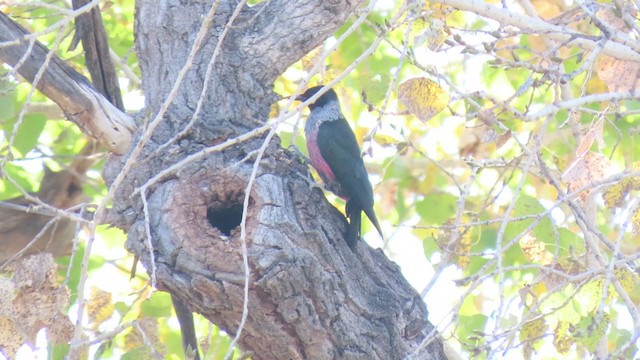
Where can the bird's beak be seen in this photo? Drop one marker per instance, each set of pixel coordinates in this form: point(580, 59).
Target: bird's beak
point(304, 96)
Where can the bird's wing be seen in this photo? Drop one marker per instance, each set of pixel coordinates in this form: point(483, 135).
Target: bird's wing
point(340, 150)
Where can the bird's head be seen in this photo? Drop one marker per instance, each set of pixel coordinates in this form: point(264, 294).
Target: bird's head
point(325, 98)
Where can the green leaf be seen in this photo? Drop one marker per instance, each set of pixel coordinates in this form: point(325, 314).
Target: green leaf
point(590, 330)
point(567, 240)
point(138, 353)
point(18, 174)
point(437, 208)
point(473, 325)
point(103, 349)
point(28, 132)
point(222, 341)
point(173, 339)
point(74, 274)
point(158, 305)
point(374, 86)
point(618, 337)
point(122, 308)
point(112, 236)
point(59, 351)
point(7, 103)
point(588, 298)
point(395, 168)
point(63, 138)
point(527, 205)
point(96, 262)
point(487, 241)
point(557, 304)
point(430, 246)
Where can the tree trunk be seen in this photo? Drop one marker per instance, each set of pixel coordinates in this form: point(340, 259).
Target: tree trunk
point(310, 296)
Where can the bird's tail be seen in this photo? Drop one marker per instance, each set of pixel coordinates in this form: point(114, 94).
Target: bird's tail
point(374, 220)
point(354, 213)
point(185, 319)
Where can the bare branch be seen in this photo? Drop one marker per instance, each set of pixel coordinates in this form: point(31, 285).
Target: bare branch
point(538, 26)
point(77, 98)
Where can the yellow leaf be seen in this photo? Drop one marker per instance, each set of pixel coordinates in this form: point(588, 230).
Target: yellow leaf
point(613, 19)
point(38, 301)
point(530, 332)
point(635, 181)
point(535, 251)
point(614, 196)
point(548, 9)
point(10, 338)
point(312, 57)
point(560, 162)
point(635, 221)
point(618, 75)
point(561, 337)
point(533, 329)
point(590, 295)
point(594, 133)
point(423, 97)
point(539, 289)
point(464, 247)
point(274, 111)
point(584, 170)
point(596, 86)
point(461, 246)
point(546, 191)
point(134, 339)
point(438, 10)
point(429, 234)
point(385, 140)
point(428, 183)
point(100, 306)
point(503, 47)
point(627, 279)
point(432, 31)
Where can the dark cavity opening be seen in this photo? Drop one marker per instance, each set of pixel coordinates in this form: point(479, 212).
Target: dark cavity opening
point(225, 219)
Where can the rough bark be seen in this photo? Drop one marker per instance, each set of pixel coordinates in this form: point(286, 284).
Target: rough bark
point(310, 296)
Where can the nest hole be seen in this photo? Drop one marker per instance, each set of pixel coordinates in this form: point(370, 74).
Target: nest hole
point(225, 218)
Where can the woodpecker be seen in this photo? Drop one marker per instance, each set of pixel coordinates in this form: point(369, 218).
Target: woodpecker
point(335, 155)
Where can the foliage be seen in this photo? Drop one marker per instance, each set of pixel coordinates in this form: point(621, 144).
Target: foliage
point(505, 154)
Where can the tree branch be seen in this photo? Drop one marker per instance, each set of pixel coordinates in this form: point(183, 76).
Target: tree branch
point(90, 29)
point(272, 37)
point(541, 27)
point(80, 102)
